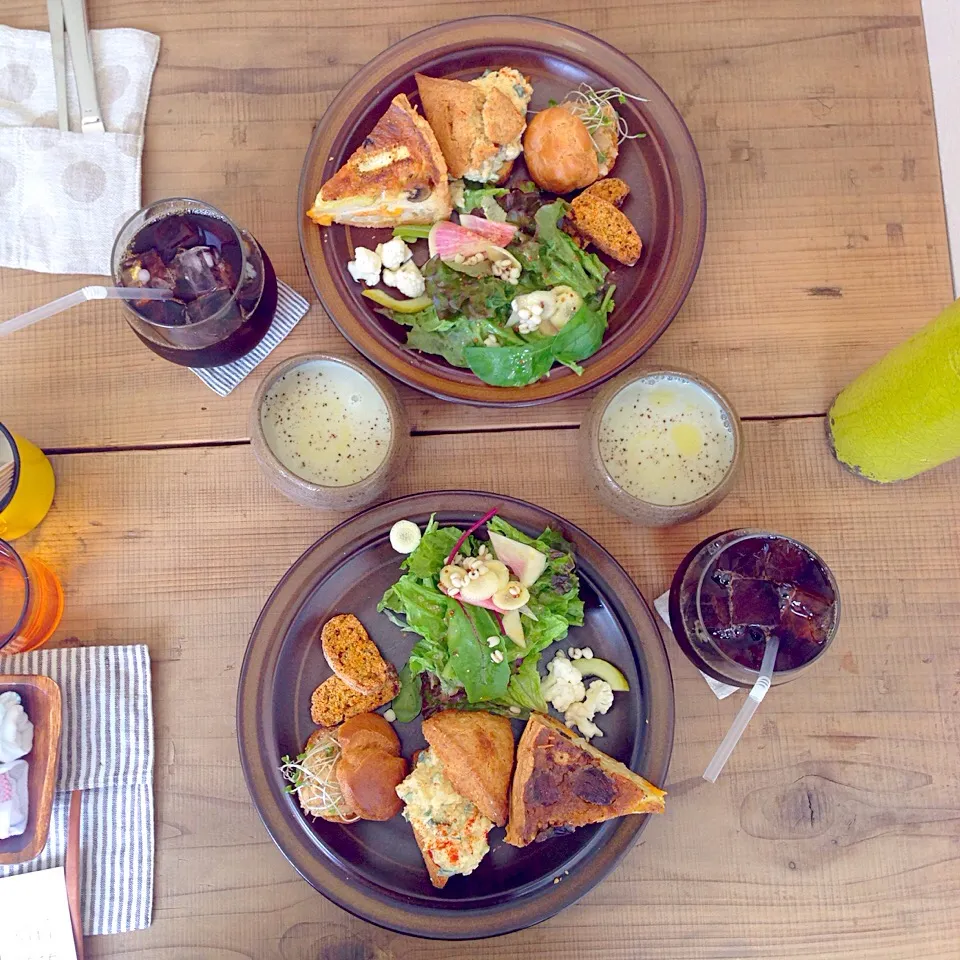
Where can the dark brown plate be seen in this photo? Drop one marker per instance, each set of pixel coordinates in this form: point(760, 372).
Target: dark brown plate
point(374, 870)
point(667, 202)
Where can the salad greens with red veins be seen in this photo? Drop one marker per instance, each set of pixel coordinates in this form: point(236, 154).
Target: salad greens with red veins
point(484, 611)
point(508, 294)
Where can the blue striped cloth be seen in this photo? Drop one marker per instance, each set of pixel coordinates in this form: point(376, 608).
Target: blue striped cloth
point(290, 309)
point(106, 750)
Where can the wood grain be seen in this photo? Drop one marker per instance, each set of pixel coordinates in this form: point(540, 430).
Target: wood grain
point(826, 238)
point(833, 832)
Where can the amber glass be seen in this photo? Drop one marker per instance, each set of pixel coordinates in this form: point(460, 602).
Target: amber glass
point(31, 601)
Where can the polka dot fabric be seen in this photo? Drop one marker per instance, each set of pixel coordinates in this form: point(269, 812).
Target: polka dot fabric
point(64, 195)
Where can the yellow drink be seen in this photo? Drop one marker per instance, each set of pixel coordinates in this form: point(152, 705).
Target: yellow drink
point(666, 440)
point(326, 423)
point(902, 416)
point(26, 485)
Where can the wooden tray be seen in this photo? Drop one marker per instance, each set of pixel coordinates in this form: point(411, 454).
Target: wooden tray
point(41, 700)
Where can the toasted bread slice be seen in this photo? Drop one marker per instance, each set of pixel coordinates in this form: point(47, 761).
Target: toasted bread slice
point(352, 655)
point(501, 121)
point(438, 879)
point(454, 110)
point(478, 124)
point(450, 830)
point(476, 749)
point(561, 781)
point(602, 224)
point(333, 701)
point(611, 189)
point(397, 175)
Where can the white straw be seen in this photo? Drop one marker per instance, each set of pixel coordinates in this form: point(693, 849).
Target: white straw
point(748, 709)
point(81, 296)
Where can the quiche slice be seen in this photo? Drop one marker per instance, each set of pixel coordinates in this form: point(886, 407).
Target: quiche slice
point(562, 782)
point(397, 175)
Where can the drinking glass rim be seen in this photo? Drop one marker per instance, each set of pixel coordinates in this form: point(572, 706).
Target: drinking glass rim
point(15, 482)
point(754, 535)
point(116, 253)
point(10, 550)
point(630, 378)
point(301, 359)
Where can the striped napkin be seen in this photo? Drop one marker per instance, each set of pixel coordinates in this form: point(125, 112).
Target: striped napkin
point(290, 309)
point(106, 750)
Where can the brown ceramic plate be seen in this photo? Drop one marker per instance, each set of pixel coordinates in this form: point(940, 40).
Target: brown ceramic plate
point(667, 203)
point(375, 870)
point(41, 699)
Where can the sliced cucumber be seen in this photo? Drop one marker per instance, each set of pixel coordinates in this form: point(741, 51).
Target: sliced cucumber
point(603, 669)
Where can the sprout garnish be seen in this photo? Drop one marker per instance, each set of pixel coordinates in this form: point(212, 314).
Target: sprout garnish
point(596, 116)
point(311, 779)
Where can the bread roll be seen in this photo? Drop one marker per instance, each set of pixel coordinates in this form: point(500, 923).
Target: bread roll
point(559, 152)
point(368, 731)
point(320, 793)
point(368, 779)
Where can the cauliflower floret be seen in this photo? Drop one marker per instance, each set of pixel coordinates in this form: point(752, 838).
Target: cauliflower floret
point(599, 696)
point(394, 253)
point(407, 279)
point(563, 685)
point(598, 699)
point(579, 715)
point(365, 267)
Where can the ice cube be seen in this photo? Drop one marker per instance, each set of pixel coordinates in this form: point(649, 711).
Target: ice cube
point(785, 562)
point(746, 558)
point(806, 603)
point(207, 305)
point(197, 273)
point(755, 602)
point(170, 235)
point(714, 605)
point(801, 639)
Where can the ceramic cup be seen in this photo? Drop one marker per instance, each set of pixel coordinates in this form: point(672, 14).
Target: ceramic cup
point(319, 425)
point(612, 493)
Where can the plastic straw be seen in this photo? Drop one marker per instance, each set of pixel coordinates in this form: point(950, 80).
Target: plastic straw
point(78, 297)
point(748, 709)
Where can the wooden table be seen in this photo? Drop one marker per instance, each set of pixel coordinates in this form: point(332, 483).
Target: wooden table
point(835, 830)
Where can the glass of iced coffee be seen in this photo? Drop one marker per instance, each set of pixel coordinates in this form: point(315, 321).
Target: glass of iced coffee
point(223, 284)
point(735, 590)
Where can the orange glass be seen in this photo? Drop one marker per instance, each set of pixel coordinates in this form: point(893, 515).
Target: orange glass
point(31, 601)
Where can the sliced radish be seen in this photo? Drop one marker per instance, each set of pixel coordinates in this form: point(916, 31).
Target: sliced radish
point(447, 239)
point(500, 233)
point(487, 605)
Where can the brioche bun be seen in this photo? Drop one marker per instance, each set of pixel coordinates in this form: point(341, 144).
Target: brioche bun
point(559, 153)
point(368, 778)
point(368, 730)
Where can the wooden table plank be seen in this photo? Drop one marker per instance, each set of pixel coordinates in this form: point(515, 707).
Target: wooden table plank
point(826, 240)
point(832, 833)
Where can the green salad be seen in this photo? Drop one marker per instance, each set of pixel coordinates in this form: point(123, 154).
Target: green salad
point(475, 319)
point(476, 651)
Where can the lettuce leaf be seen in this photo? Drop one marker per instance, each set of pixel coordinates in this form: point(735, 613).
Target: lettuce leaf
point(451, 662)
